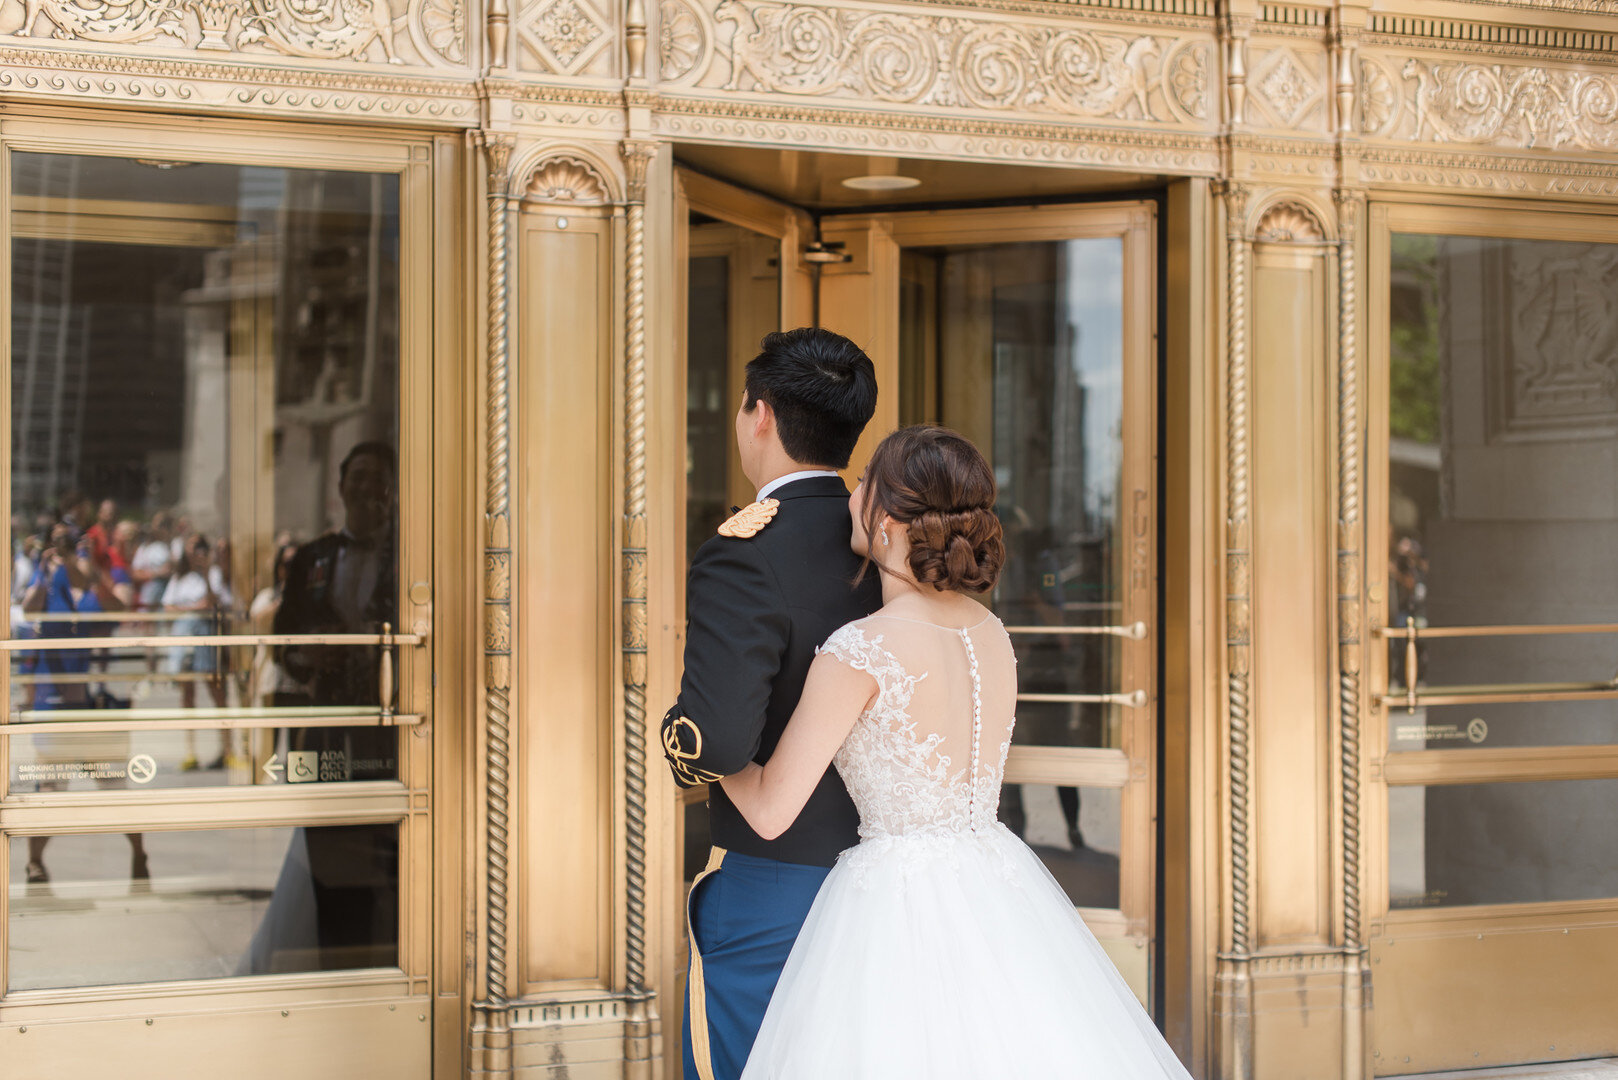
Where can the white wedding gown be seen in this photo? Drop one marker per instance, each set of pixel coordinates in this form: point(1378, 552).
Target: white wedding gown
point(940, 948)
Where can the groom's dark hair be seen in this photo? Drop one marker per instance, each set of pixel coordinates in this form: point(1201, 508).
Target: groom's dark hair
point(822, 387)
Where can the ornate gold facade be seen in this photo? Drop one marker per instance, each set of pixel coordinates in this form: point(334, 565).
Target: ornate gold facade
point(1261, 158)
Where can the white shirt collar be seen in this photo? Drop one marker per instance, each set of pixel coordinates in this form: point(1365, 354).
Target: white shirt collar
point(781, 481)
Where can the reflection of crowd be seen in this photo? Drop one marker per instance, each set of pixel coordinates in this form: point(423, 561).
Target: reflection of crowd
point(85, 559)
point(83, 571)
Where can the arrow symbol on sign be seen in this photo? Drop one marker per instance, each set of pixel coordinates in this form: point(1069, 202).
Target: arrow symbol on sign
point(272, 767)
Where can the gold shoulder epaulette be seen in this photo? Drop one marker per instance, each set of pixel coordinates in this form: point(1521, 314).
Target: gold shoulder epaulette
point(750, 519)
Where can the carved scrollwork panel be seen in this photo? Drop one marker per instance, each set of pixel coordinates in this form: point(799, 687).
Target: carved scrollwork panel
point(952, 61)
point(1466, 103)
point(413, 32)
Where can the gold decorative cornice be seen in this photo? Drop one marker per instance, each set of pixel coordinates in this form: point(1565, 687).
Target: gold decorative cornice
point(1423, 167)
point(737, 118)
point(59, 73)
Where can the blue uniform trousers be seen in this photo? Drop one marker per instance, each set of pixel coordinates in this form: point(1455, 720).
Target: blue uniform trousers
point(744, 913)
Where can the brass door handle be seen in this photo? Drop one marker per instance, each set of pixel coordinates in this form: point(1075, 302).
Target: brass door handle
point(1135, 631)
point(1129, 699)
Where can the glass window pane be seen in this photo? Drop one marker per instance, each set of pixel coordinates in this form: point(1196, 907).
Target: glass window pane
point(1503, 438)
point(1029, 341)
point(205, 380)
point(1502, 843)
point(1076, 832)
point(89, 910)
point(733, 298)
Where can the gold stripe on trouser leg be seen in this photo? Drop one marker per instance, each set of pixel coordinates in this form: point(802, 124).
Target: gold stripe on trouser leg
point(696, 989)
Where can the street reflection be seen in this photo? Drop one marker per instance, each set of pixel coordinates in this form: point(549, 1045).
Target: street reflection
point(210, 914)
point(204, 422)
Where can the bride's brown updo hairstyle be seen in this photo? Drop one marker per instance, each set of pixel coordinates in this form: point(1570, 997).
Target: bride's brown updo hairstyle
point(935, 482)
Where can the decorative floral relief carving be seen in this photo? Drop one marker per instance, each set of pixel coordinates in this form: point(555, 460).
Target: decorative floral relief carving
point(566, 180)
point(565, 35)
point(439, 27)
point(947, 61)
point(357, 30)
point(1287, 88)
point(1378, 98)
point(1503, 105)
point(684, 40)
point(1185, 76)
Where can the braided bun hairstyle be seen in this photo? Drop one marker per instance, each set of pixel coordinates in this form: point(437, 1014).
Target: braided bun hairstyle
point(935, 482)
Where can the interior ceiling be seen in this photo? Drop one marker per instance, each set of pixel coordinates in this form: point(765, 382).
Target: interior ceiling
point(814, 179)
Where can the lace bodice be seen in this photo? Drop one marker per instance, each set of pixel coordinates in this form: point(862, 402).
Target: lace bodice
point(914, 761)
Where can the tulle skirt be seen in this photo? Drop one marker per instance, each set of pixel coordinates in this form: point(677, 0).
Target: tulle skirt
point(952, 957)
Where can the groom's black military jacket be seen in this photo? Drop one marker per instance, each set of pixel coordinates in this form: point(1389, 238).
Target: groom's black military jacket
point(756, 609)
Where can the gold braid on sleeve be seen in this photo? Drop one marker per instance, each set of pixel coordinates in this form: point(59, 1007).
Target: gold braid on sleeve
point(680, 758)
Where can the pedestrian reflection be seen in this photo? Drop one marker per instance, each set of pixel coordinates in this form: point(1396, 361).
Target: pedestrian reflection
point(69, 580)
point(337, 895)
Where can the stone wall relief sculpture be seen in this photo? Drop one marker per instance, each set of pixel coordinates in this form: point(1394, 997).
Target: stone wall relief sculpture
point(1556, 367)
point(944, 61)
point(415, 32)
point(567, 37)
point(1488, 104)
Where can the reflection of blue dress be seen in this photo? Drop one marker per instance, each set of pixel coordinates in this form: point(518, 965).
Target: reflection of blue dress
point(58, 601)
point(71, 748)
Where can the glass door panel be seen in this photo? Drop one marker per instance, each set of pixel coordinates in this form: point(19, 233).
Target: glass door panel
point(1037, 349)
point(203, 477)
point(1500, 735)
point(204, 418)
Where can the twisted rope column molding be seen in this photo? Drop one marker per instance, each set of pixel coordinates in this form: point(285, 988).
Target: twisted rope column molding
point(1356, 974)
point(492, 1028)
point(637, 155)
point(1235, 985)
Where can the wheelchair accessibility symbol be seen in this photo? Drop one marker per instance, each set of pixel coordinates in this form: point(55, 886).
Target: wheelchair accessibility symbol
point(303, 766)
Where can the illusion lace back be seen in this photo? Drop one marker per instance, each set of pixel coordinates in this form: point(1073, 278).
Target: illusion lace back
point(916, 760)
point(940, 948)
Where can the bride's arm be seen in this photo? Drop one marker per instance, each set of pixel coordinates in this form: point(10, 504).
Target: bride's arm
point(771, 796)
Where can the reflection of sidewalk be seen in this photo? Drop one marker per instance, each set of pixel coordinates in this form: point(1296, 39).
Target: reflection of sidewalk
point(1089, 877)
point(91, 925)
point(1604, 1069)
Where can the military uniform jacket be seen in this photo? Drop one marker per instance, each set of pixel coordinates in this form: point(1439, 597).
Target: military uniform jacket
point(756, 610)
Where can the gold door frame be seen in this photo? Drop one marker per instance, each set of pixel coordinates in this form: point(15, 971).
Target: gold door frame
point(1416, 953)
point(373, 1007)
point(852, 295)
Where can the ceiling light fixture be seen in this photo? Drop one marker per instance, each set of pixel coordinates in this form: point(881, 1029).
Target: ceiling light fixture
point(830, 251)
point(889, 182)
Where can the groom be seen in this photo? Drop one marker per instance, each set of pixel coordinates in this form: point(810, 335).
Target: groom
point(773, 585)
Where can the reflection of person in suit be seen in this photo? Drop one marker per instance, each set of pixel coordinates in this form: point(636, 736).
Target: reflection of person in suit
point(345, 582)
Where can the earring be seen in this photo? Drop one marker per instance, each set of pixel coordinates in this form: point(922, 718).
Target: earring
point(884, 538)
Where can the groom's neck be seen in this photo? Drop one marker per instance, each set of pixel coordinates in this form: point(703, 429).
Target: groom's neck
point(779, 466)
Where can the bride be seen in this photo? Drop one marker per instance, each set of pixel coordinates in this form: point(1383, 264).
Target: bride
point(939, 947)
